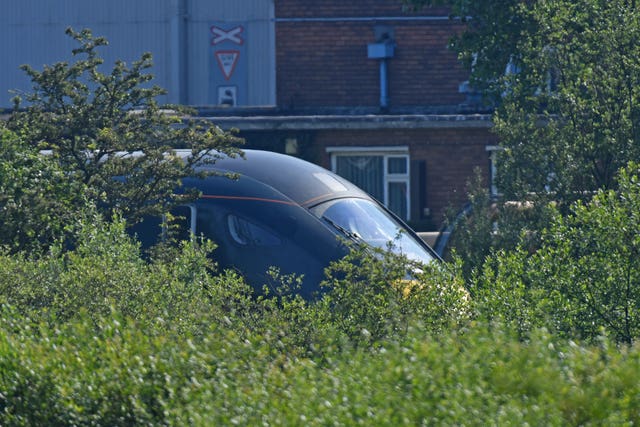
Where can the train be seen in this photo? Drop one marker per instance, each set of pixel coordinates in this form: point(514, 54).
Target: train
point(266, 209)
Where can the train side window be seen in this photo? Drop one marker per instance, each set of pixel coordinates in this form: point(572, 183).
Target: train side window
point(247, 233)
point(179, 224)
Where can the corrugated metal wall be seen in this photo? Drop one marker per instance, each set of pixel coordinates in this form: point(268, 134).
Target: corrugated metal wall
point(258, 38)
point(176, 32)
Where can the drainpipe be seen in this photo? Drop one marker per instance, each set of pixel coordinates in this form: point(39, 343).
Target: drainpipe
point(384, 98)
point(382, 51)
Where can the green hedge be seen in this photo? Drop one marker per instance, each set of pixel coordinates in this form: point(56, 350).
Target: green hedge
point(115, 373)
point(95, 335)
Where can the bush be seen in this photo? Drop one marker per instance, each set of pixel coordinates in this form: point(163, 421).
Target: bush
point(37, 200)
point(585, 279)
point(490, 224)
point(373, 294)
point(112, 372)
point(95, 335)
point(105, 272)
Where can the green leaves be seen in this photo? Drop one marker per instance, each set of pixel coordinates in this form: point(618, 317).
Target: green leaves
point(583, 281)
point(37, 200)
point(95, 335)
point(88, 118)
point(112, 371)
point(596, 249)
point(582, 69)
point(567, 113)
point(373, 295)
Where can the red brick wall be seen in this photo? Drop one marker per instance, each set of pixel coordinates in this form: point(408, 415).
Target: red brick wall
point(342, 8)
point(321, 57)
point(451, 155)
point(325, 63)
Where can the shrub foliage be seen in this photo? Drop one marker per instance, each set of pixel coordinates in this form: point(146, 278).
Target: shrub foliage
point(92, 333)
point(97, 336)
point(584, 280)
point(87, 119)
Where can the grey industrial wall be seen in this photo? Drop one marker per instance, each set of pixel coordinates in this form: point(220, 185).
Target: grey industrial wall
point(176, 32)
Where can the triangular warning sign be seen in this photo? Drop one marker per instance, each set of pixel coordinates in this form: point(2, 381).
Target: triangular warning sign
point(227, 60)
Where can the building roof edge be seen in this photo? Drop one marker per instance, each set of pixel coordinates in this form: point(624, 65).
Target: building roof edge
point(353, 122)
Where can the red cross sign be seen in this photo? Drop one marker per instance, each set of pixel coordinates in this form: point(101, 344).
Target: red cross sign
point(232, 35)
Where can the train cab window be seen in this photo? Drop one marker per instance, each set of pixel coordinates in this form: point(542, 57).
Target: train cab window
point(174, 226)
point(247, 233)
point(364, 220)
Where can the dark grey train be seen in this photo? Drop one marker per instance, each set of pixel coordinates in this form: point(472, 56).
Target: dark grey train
point(285, 212)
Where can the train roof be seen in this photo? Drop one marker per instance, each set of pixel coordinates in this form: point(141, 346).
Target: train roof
point(300, 181)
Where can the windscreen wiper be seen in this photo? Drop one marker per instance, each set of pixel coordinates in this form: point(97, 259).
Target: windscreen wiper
point(350, 234)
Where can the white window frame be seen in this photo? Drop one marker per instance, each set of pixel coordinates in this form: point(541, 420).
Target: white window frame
point(493, 151)
point(386, 152)
point(193, 212)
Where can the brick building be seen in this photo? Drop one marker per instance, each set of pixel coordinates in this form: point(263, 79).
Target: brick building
point(364, 88)
point(372, 92)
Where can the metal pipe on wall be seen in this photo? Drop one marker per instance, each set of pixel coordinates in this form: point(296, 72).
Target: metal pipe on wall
point(384, 97)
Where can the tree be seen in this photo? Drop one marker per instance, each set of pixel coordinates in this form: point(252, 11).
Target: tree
point(86, 118)
point(582, 73)
point(562, 76)
point(567, 114)
point(584, 280)
point(37, 202)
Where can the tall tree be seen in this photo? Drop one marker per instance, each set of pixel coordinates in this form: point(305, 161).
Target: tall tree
point(563, 75)
point(87, 118)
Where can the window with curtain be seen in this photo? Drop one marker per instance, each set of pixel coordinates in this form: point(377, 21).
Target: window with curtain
point(384, 175)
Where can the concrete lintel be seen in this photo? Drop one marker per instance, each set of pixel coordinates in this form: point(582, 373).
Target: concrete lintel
point(358, 122)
